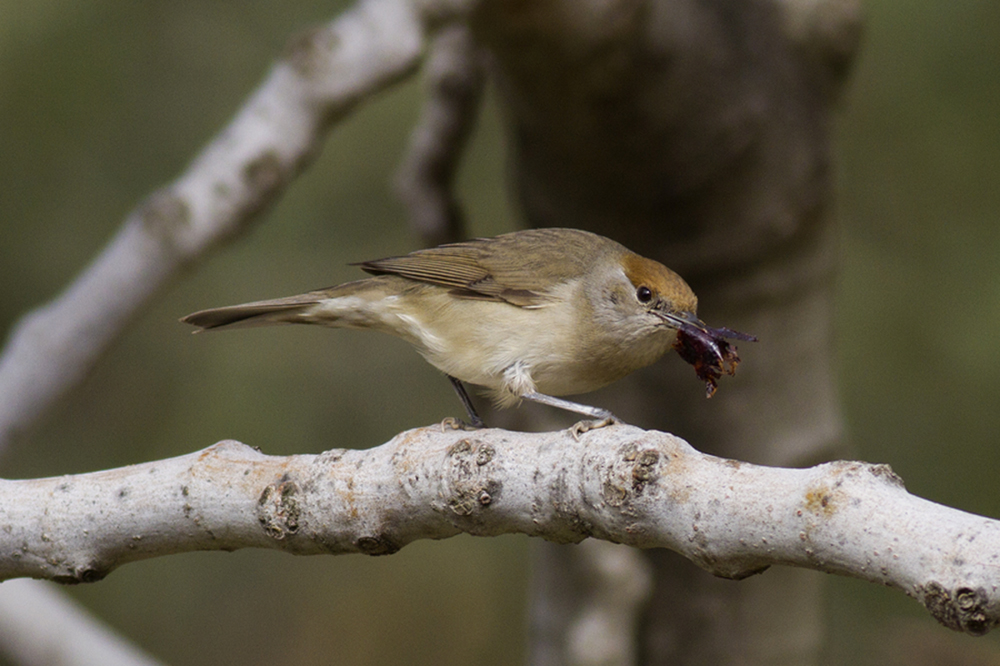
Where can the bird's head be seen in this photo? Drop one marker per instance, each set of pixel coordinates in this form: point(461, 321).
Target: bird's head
point(638, 301)
point(659, 299)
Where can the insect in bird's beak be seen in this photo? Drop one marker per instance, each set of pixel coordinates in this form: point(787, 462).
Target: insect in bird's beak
point(706, 348)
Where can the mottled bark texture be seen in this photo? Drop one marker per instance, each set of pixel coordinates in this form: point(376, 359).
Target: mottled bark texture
point(696, 132)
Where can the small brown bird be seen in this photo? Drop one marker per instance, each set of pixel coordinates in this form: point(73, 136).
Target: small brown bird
point(529, 315)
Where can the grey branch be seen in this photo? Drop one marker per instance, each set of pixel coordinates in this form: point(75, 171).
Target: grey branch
point(620, 484)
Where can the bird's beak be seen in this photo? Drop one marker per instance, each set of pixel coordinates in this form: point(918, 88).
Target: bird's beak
point(679, 320)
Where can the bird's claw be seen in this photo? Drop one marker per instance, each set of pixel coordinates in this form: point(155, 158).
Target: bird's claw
point(581, 427)
point(451, 423)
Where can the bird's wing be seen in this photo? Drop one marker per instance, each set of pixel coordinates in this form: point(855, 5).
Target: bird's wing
point(519, 268)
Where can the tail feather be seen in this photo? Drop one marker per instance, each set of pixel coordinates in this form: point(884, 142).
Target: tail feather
point(260, 313)
point(335, 306)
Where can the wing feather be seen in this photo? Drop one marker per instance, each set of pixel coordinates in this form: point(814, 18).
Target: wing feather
point(519, 268)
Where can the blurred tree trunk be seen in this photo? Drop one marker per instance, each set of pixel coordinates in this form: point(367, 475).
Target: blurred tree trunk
point(696, 132)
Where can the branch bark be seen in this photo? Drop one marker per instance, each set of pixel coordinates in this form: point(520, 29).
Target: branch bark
point(641, 488)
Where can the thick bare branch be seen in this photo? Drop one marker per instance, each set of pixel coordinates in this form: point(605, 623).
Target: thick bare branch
point(323, 75)
point(620, 484)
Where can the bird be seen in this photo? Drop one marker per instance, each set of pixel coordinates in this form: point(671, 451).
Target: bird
point(530, 315)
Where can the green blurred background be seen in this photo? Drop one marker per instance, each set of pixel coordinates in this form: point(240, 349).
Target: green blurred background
point(102, 102)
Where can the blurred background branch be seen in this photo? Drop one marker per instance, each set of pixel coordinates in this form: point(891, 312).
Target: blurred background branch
point(425, 181)
point(40, 624)
point(325, 73)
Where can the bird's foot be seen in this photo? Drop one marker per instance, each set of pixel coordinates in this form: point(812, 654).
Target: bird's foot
point(451, 423)
point(581, 427)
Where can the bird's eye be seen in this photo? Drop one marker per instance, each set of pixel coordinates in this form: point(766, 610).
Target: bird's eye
point(644, 294)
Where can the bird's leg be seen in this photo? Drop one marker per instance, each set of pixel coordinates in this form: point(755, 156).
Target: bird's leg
point(463, 395)
point(602, 417)
point(559, 403)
